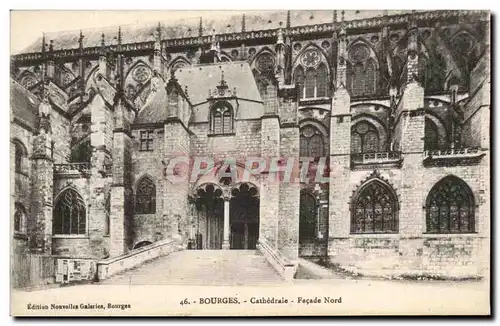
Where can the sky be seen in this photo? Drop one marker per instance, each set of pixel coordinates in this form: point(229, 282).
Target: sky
point(28, 25)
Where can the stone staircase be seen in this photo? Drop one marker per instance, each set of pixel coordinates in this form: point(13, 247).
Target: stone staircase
point(202, 267)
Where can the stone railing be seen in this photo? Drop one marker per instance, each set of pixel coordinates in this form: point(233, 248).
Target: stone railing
point(376, 158)
point(284, 266)
point(453, 156)
point(111, 266)
point(452, 152)
point(71, 168)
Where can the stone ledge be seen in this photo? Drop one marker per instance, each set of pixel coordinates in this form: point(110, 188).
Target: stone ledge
point(111, 266)
point(285, 268)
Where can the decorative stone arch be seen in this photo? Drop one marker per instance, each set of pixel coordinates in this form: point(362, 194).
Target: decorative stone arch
point(377, 123)
point(90, 78)
point(250, 184)
point(377, 181)
point(263, 50)
point(142, 177)
point(142, 243)
point(323, 56)
point(136, 64)
point(442, 130)
point(372, 52)
point(203, 186)
point(225, 57)
point(212, 177)
point(179, 62)
point(317, 124)
point(28, 79)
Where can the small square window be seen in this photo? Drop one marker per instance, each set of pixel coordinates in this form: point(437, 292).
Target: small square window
point(146, 140)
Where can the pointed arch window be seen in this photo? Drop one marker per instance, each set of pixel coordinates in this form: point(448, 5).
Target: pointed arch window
point(145, 197)
point(19, 156)
point(375, 209)
point(300, 79)
point(69, 215)
point(308, 217)
point(313, 83)
point(431, 135)
point(321, 81)
point(311, 142)
point(19, 218)
point(363, 71)
point(450, 207)
point(221, 120)
point(364, 138)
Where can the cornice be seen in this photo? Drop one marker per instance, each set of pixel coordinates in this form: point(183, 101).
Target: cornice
point(422, 19)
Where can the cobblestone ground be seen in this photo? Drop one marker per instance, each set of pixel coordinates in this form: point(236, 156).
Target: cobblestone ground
point(202, 267)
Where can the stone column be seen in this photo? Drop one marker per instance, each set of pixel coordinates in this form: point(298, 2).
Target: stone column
point(41, 229)
point(226, 244)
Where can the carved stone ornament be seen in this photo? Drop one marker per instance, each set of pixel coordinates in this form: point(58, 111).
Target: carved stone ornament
point(141, 74)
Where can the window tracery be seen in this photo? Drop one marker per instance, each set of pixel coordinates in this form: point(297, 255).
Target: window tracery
point(221, 120)
point(364, 138)
point(145, 198)
point(375, 209)
point(311, 142)
point(450, 207)
point(69, 214)
point(312, 75)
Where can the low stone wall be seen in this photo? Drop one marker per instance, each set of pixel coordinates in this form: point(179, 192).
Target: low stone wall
point(285, 268)
point(441, 256)
point(111, 266)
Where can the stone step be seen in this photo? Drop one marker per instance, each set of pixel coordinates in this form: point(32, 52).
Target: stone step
point(198, 267)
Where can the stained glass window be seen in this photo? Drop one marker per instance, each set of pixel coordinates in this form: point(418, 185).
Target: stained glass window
point(300, 79)
point(145, 197)
point(69, 214)
point(20, 153)
point(311, 142)
point(222, 120)
point(310, 83)
point(450, 207)
point(321, 81)
point(313, 83)
point(375, 209)
point(308, 217)
point(19, 218)
point(363, 78)
point(364, 138)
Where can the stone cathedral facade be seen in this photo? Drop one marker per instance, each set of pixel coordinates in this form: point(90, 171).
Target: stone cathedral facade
point(398, 104)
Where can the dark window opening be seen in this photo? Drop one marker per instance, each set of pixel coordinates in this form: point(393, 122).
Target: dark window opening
point(450, 207)
point(69, 214)
point(374, 210)
point(145, 198)
point(146, 140)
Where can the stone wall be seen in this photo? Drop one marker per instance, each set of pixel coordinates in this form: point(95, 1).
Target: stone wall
point(148, 227)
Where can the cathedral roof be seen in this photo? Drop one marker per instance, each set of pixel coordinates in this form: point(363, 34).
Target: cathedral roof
point(24, 105)
point(221, 23)
point(203, 79)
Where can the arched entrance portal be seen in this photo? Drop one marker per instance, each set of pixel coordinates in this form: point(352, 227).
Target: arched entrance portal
point(210, 222)
point(244, 217)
